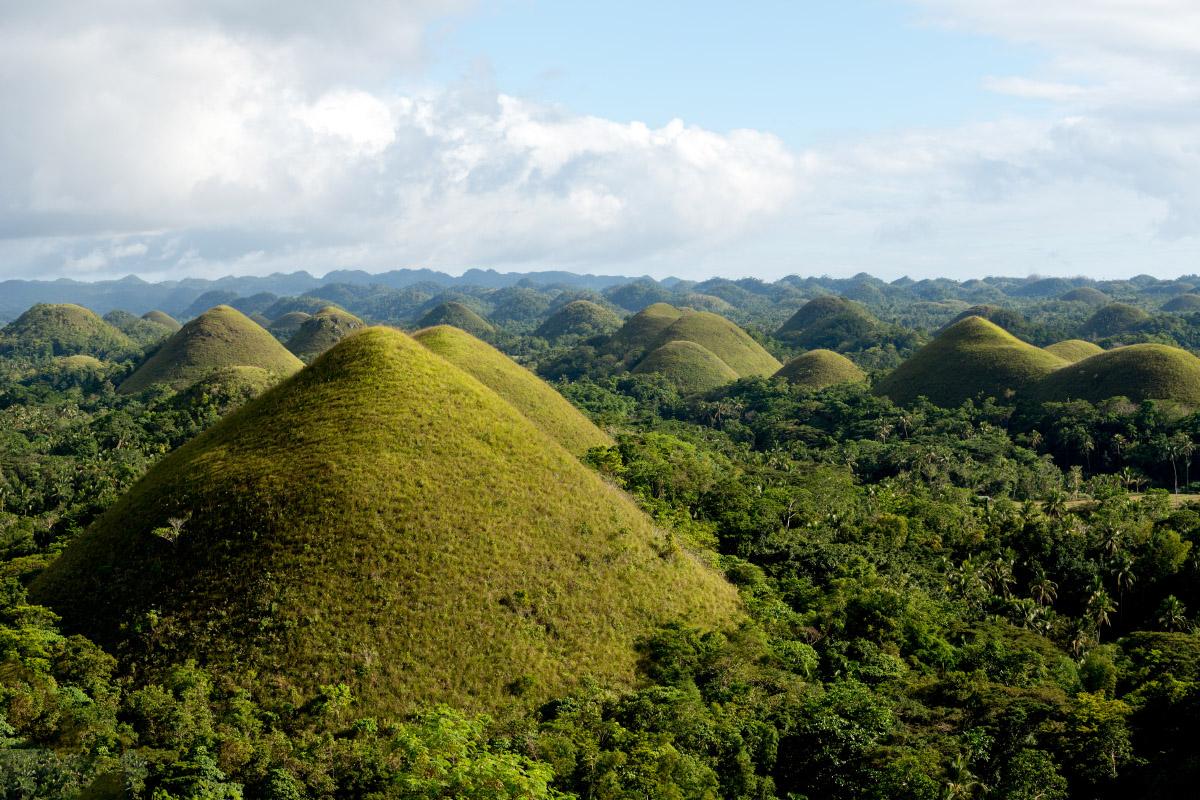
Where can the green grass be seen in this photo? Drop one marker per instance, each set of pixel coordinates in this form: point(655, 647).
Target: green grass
point(289, 323)
point(707, 302)
point(581, 318)
point(1073, 350)
point(457, 315)
point(140, 330)
point(688, 365)
point(640, 330)
point(526, 392)
point(1086, 294)
point(818, 310)
point(1010, 321)
point(1139, 372)
point(1113, 319)
point(381, 519)
point(723, 339)
point(1183, 304)
point(818, 369)
point(47, 331)
point(322, 331)
point(227, 389)
point(974, 357)
point(219, 338)
point(260, 320)
point(165, 320)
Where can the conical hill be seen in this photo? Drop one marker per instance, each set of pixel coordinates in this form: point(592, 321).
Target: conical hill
point(322, 331)
point(640, 330)
point(220, 337)
point(723, 339)
point(1073, 350)
point(1113, 319)
point(46, 331)
point(691, 367)
point(1009, 320)
point(287, 324)
point(457, 315)
point(973, 357)
point(528, 393)
point(383, 520)
point(1183, 304)
point(580, 318)
point(159, 318)
point(1139, 372)
point(818, 310)
point(818, 369)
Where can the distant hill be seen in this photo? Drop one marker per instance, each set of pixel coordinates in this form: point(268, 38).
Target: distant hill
point(1086, 294)
point(287, 324)
point(1046, 287)
point(526, 392)
point(818, 310)
point(974, 357)
point(1138, 371)
point(384, 520)
point(139, 329)
point(46, 331)
point(707, 302)
point(640, 330)
point(580, 318)
point(1073, 350)
point(1183, 304)
point(458, 316)
point(818, 369)
point(1113, 319)
point(1010, 321)
point(322, 331)
point(690, 366)
point(723, 339)
point(219, 338)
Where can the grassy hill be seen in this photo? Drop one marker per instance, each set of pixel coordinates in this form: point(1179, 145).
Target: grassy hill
point(1139, 372)
point(707, 302)
point(1010, 321)
point(1183, 304)
point(260, 320)
point(580, 318)
point(227, 389)
point(139, 329)
point(818, 369)
point(818, 310)
point(723, 339)
point(219, 338)
point(458, 316)
point(46, 331)
point(1113, 319)
point(973, 357)
point(525, 391)
point(640, 330)
point(159, 318)
point(692, 367)
point(1073, 350)
point(287, 324)
point(322, 331)
point(1086, 294)
point(382, 519)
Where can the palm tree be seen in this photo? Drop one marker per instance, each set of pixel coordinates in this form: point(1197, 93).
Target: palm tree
point(1043, 590)
point(1172, 614)
point(960, 782)
point(1099, 606)
point(1000, 576)
point(1111, 542)
point(1123, 572)
point(1056, 505)
point(1079, 636)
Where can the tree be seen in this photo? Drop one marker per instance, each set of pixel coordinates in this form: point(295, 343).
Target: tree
point(1099, 606)
point(1042, 589)
point(1172, 614)
point(960, 781)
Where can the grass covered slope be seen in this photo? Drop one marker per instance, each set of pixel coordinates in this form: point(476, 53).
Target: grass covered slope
point(322, 331)
point(690, 366)
point(581, 318)
point(1073, 350)
point(640, 330)
point(974, 357)
point(528, 393)
point(1010, 321)
point(1138, 371)
point(383, 520)
point(165, 320)
point(1183, 304)
point(287, 324)
point(723, 339)
point(219, 338)
point(458, 316)
point(818, 310)
point(1113, 319)
point(1086, 294)
point(46, 331)
point(818, 369)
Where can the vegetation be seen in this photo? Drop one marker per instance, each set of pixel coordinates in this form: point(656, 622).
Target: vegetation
point(46, 331)
point(456, 315)
point(690, 366)
point(1183, 304)
point(1138, 372)
point(816, 311)
point(1010, 321)
point(1086, 294)
point(723, 339)
point(644, 328)
point(1113, 319)
point(322, 331)
point(818, 369)
point(579, 319)
point(219, 338)
point(287, 324)
point(1073, 350)
point(159, 318)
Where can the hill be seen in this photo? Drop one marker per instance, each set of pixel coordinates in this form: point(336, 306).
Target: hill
point(640, 330)
point(322, 331)
point(526, 392)
point(1138, 371)
point(1183, 304)
point(818, 369)
point(1113, 319)
point(219, 338)
point(159, 318)
point(818, 310)
point(139, 329)
point(723, 339)
point(227, 389)
point(688, 365)
point(386, 521)
point(287, 324)
point(458, 316)
point(46, 331)
point(974, 357)
point(1010, 321)
point(580, 318)
point(1086, 294)
point(1073, 350)
point(707, 302)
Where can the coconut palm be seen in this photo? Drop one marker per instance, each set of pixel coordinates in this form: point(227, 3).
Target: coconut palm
point(960, 781)
point(1172, 614)
point(1099, 606)
point(1043, 590)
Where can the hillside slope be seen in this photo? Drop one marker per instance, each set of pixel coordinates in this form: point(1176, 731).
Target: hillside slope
point(818, 369)
point(1138, 371)
point(691, 367)
point(322, 331)
point(458, 316)
point(47, 331)
point(723, 339)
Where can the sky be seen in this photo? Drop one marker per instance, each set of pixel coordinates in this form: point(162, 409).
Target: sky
point(928, 138)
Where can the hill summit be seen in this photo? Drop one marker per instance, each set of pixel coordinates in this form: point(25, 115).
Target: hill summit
point(381, 519)
point(818, 369)
point(581, 318)
point(48, 331)
point(459, 316)
point(322, 331)
point(219, 338)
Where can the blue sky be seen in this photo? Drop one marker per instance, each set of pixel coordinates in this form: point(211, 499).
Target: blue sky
point(955, 138)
